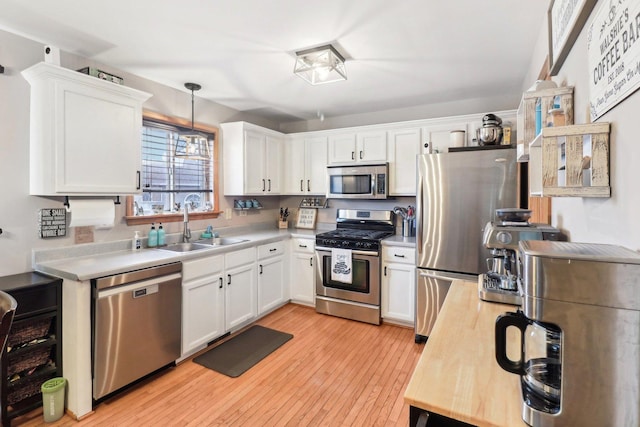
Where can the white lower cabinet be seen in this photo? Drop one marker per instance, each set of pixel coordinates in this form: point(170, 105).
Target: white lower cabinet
point(240, 288)
point(202, 302)
point(398, 284)
point(303, 271)
point(272, 289)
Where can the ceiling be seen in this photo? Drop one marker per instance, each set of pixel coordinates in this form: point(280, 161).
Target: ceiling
point(400, 54)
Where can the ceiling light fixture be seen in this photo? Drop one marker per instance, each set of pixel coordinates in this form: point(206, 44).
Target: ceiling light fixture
point(193, 144)
point(320, 65)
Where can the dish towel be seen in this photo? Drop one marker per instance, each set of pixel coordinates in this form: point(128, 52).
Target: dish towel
point(341, 265)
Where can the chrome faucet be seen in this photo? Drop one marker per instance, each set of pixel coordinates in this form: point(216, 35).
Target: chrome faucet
point(186, 234)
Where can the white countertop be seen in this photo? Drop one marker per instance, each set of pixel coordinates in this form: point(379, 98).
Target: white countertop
point(398, 240)
point(105, 264)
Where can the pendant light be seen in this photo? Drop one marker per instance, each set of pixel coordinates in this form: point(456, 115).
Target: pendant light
point(193, 144)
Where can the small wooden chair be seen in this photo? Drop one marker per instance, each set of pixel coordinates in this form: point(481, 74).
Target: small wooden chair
point(8, 307)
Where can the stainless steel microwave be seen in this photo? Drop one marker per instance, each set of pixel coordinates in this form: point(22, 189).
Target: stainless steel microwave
point(358, 181)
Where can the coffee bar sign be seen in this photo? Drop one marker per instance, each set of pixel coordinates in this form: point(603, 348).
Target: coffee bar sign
point(613, 47)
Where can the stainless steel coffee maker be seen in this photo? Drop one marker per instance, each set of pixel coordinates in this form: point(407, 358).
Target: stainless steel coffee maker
point(502, 236)
point(579, 360)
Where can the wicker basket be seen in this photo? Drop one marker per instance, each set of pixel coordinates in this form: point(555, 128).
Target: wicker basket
point(29, 359)
point(27, 389)
point(27, 331)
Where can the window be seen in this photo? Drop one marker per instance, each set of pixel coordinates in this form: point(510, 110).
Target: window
point(169, 181)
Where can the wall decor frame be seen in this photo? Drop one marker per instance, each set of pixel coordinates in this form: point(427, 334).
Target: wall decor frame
point(565, 19)
point(306, 218)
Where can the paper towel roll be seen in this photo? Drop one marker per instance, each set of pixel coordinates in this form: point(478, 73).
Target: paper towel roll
point(100, 213)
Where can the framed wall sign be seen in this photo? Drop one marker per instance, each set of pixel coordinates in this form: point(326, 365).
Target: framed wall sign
point(306, 218)
point(565, 21)
point(613, 49)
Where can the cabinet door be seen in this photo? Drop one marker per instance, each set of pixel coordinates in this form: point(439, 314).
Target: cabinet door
point(342, 148)
point(404, 146)
point(202, 312)
point(398, 291)
point(240, 295)
point(294, 167)
point(255, 181)
point(271, 284)
point(372, 147)
point(316, 166)
point(303, 277)
point(273, 165)
point(437, 139)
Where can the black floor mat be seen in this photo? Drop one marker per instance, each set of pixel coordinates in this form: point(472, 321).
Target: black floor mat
point(240, 353)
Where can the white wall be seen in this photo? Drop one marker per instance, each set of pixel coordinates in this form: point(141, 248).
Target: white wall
point(19, 211)
point(600, 220)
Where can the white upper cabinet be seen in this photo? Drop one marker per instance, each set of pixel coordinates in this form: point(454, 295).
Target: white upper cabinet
point(305, 166)
point(437, 137)
point(366, 147)
point(85, 134)
point(253, 159)
point(403, 147)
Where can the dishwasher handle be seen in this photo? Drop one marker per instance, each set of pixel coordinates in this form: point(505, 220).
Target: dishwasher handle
point(137, 275)
point(142, 288)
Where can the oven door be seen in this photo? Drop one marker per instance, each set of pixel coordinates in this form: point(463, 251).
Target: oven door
point(365, 285)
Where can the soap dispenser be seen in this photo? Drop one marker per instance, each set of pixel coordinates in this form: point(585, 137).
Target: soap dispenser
point(152, 239)
point(161, 238)
point(137, 242)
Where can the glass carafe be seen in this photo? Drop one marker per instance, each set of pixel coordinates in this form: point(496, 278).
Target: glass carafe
point(540, 360)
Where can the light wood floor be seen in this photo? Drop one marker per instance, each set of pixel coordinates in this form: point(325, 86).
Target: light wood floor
point(334, 372)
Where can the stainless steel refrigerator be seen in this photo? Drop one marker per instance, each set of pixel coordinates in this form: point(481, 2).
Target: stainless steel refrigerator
point(457, 194)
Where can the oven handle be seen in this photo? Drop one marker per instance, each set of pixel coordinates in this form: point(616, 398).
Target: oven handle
point(354, 252)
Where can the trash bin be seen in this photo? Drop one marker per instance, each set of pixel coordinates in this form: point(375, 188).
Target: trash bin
point(53, 399)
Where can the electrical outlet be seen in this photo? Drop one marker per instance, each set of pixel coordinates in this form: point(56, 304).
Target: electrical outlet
point(243, 213)
point(228, 213)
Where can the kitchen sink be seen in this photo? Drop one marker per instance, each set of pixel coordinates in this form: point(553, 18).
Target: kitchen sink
point(186, 247)
point(221, 241)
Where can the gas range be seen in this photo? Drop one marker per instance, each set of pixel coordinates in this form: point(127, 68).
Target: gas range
point(358, 230)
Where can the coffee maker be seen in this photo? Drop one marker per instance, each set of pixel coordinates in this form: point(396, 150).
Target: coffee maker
point(579, 331)
point(502, 236)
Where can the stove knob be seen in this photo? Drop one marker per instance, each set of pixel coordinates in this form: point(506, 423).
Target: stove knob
point(504, 237)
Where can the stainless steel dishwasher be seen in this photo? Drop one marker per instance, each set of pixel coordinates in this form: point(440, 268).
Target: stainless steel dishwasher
point(136, 325)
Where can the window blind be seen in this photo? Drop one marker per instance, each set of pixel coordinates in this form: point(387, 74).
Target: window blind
point(162, 171)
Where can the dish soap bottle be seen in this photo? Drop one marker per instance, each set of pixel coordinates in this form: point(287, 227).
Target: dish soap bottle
point(161, 239)
point(136, 243)
point(153, 236)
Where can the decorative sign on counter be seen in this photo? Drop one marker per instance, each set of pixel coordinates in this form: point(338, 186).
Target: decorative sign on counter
point(306, 218)
point(52, 223)
point(613, 46)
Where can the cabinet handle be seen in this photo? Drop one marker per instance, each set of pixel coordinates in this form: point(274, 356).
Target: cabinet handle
point(308, 185)
point(220, 282)
point(273, 250)
point(301, 185)
point(353, 155)
point(361, 154)
point(260, 268)
point(263, 185)
point(228, 279)
point(311, 261)
point(302, 246)
point(426, 145)
point(385, 270)
point(398, 256)
point(423, 420)
point(269, 184)
point(138, 180)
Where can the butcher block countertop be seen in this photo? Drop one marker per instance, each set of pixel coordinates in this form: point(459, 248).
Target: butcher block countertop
point(457, 375)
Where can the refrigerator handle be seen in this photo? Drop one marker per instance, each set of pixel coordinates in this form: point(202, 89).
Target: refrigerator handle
point(436, 276)
point(419, 214)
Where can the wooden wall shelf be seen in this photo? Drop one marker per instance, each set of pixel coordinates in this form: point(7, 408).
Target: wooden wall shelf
point(571, 161)
point(526, 128)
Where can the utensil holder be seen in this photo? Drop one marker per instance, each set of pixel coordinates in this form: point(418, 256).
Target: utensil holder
point(283, 224)
point(408, 228)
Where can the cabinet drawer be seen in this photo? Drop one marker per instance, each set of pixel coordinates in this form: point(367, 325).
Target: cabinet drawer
point(398, 254)
point(202, 267)
point(303, 245)
point(270, 249)
point(238, 258)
